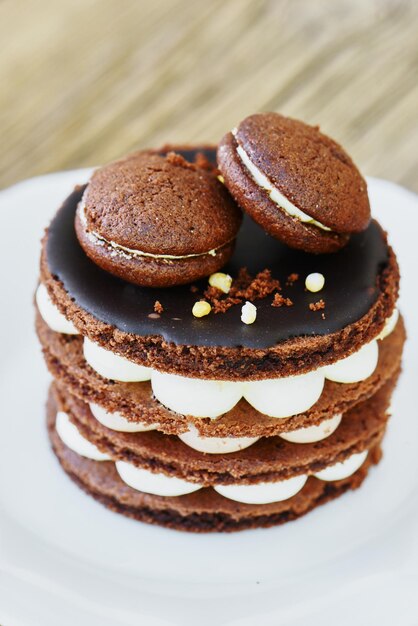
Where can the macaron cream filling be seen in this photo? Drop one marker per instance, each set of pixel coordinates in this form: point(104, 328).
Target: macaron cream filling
point(276, 195)
point(129, 253)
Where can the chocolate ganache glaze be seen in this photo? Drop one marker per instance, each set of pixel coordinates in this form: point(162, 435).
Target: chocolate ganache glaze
point(351, 287)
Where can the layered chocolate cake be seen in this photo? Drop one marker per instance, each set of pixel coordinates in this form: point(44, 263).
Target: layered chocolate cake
point(209, 374)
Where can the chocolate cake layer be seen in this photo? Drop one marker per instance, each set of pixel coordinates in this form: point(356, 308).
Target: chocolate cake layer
point(202, 511)
point(268, 460)
point(361, 288)
point(65, 360)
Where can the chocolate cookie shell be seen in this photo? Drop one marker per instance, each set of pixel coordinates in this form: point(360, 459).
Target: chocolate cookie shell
point(308, 169)
point(157, 220)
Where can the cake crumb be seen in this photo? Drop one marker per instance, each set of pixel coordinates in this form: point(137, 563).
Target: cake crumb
point(158, 307)
point(203, 163)
point(194, 288)
point(243, 279)
point(280, 300)
point(323, 315)
point(243, 288)
point(260, 287)
point(179, 161)
point(317, 306)
point(292, 278)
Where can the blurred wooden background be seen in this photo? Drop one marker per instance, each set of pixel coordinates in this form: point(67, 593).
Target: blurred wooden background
point(85, 81)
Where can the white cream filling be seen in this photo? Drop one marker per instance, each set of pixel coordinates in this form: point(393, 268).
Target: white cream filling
point(156, 484)
point(194, 396)
point(277, 397)
point(51, 314)
point(277, 197)
point(69, 434)
point(284, 397)
point(113, 366)
point(344, 469)
point(161, 485)
point(390, 324)
point(263, 493)
point(311, 434)
point(260, 493)
point(356, 367)
point(215, 445)
point(128, 253)
point(116, 421)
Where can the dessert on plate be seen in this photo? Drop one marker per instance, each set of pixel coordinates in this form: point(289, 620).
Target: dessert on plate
point(221, 328)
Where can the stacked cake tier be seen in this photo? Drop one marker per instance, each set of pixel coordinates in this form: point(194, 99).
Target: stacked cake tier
point(211, 424)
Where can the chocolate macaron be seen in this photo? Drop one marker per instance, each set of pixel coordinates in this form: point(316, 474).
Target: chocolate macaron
point(297, 183)
point(157, 220)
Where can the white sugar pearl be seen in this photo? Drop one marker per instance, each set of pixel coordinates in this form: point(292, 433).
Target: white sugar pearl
point(221, 281)
point(248, 313)
point(314, 282)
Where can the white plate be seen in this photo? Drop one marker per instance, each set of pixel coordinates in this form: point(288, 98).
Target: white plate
point(66, 560)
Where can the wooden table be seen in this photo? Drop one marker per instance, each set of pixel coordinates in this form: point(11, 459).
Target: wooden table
point(85, 81)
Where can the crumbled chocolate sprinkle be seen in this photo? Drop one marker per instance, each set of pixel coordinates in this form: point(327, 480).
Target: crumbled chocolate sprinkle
point(280, 300)
point(219, 303)
point(317, 306)
point(194, 288)
point(243, 279)
point(292, 278)
point(180, 161)
point(260, 287)
point(203, 163)
point(244, 287)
